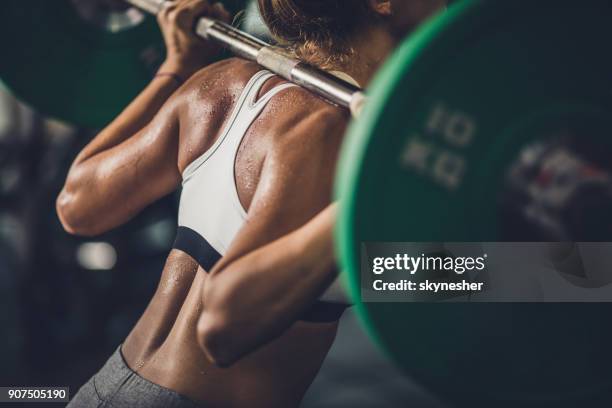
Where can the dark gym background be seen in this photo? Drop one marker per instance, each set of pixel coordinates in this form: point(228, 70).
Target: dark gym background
point(67, 303)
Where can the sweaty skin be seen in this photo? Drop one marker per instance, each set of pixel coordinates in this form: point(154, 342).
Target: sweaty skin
point(195, 322)
point(281, 190)
point(280, 187)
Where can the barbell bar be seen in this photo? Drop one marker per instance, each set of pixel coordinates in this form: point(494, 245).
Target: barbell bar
point(273, 58)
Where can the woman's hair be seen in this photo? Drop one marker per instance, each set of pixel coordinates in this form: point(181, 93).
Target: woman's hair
point(308, 27)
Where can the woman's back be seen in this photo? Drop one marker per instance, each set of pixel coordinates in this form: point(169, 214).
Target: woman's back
point(279, 173)
point(283, 173)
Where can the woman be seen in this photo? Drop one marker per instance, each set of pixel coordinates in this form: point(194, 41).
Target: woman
point(256, 158)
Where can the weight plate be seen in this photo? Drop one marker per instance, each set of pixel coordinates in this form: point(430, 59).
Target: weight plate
point(447, 117)
point(70, 67)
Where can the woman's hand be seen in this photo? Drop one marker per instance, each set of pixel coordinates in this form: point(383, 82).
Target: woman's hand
point(186, 52)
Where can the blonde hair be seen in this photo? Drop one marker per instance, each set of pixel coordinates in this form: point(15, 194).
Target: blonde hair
point(317, 31)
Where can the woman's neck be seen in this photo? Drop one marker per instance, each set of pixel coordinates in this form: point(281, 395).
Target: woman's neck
point(372, 48)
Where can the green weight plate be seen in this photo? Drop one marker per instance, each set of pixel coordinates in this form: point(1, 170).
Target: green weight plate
point(472, 89)
point(70, 68)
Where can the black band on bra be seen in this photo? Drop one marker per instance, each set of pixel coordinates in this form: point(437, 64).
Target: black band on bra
point(197, 247)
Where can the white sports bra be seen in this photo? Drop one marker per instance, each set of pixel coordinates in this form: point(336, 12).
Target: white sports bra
point(210, 211)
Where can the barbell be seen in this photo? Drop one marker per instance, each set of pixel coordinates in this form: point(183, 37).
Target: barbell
point(455, 143)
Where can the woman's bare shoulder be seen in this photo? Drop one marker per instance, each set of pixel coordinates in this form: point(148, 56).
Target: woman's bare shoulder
point(226, 77)
point(304, 113)
point(293, 111)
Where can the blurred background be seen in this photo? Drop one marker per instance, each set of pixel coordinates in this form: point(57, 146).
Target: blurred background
point(67, 303)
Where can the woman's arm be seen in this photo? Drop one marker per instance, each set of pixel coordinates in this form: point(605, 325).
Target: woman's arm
point(133, 161)
point(118, 173)
point(293, 271)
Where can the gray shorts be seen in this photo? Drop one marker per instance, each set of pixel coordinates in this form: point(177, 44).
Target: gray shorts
point(116, 385)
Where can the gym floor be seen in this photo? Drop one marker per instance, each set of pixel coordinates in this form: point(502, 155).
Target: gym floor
point(58, 325)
